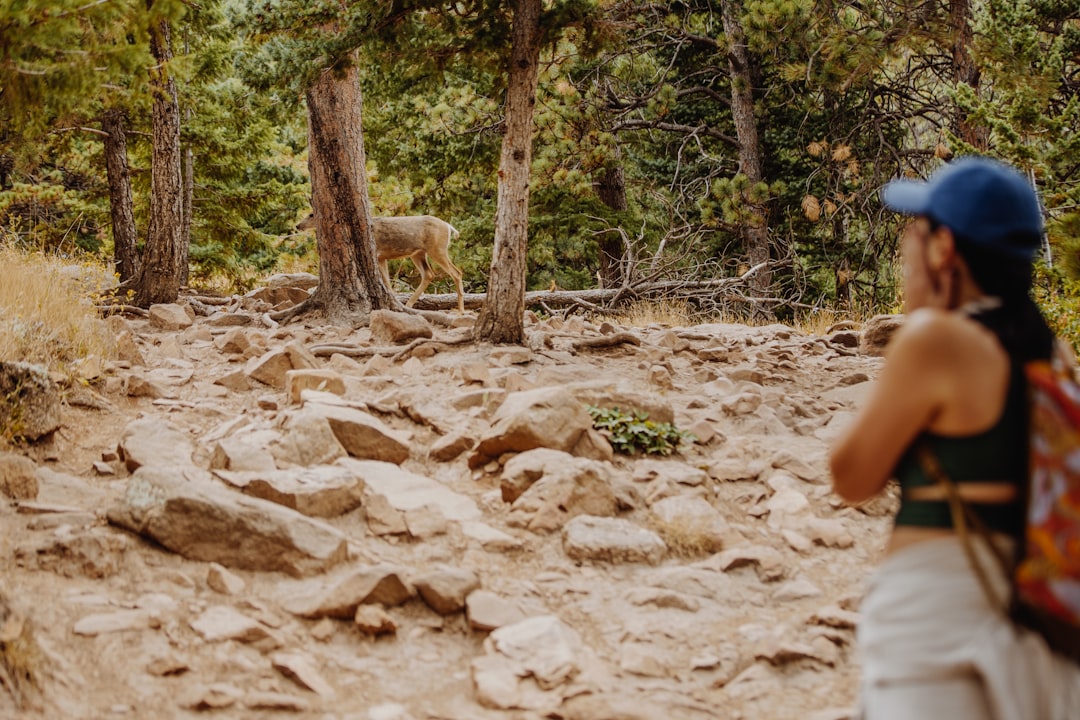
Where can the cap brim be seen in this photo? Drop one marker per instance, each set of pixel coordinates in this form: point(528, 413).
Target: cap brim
point(906, 196)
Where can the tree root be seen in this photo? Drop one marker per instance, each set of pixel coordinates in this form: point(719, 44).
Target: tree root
point(122, 309)
point(396, 352)
point(606, 341)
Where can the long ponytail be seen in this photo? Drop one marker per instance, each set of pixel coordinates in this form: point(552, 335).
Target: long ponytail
point(1018, 322)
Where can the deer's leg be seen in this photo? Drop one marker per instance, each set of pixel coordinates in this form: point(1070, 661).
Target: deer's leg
point(383, 263)
point(443, 258)
point(426, 273)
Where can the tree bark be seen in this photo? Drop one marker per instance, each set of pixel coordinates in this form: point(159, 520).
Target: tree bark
point(159, 276)
point(188, 175)
point(121, 205)
point(502, 318)
point(965, 72)
point(611, 189)
point(751, 162)
point(350, 284)
point(7, 164)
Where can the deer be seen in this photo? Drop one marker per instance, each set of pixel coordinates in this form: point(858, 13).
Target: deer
point(417, 237)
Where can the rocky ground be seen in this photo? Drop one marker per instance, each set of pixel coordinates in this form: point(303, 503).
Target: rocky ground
point(239, 520)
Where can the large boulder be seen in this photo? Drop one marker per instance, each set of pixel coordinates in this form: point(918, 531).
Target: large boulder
point(545, 417)
point(186, 511)
point(29, 401)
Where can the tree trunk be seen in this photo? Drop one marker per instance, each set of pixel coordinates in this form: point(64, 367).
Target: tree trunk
point(159, 277)
point(611, 189)
point(121, 206)
point(7, 164)
point(502, 319)
point(188, 175)
point(350, 284)
point(751, 162)
point(965, 72)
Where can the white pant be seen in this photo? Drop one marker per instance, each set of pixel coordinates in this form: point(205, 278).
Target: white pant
point(934, 647)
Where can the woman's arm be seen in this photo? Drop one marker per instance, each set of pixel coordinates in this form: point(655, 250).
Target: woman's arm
point(909, 392)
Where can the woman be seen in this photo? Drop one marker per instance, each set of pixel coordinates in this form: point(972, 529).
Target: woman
point(933, 643)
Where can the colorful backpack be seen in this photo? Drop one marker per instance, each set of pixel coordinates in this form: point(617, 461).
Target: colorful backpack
point(1045, 577)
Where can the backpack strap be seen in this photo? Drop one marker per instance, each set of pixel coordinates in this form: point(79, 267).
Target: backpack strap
point(965, 522)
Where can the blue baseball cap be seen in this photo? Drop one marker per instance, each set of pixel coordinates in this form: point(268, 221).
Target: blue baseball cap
point(984, 201)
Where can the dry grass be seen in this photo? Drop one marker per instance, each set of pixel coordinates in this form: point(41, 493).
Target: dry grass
point(20, 657)
point(686, 537)
point(668, 313)
point(819, 322)
point(679, 313)
point(47, 313)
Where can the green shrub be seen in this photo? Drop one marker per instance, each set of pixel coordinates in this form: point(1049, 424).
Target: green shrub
point(631, 432)
point(1059, 298)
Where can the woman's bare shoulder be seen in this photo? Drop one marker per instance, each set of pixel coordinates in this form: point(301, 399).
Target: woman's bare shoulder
point(946, 345)
point(924, 332)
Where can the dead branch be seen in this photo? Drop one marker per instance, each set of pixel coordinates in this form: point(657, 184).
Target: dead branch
point(201, 309)
point(109, 309)
point(210, 300)
point(601, 300)
point(606, 341)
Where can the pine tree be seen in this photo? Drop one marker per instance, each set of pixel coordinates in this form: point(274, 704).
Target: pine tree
point(163, 261)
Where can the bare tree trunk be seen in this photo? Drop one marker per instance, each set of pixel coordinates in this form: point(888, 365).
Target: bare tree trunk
point(121, 206)
point(502, 319)
point(159, 277)
point(751, 162)
point(611, 189)
point(188, 173)
point(7, 164)
point(966, 72)
point(350, 284)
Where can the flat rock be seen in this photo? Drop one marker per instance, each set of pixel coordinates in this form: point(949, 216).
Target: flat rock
point(320, 491)
point(339, 596)
point(192, 515)
point(611, 540)
point(445, 590)
point(221, 622)
point(406, 490)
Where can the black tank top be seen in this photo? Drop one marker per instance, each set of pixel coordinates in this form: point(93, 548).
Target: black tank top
point(996, 455)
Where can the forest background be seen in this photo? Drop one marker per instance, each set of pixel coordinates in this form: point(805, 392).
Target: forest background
point(673, 144)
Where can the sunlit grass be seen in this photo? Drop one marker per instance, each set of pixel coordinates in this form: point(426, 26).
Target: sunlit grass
point(47, 313)
point(687, 537)
point(667, 313)
point(679, 313)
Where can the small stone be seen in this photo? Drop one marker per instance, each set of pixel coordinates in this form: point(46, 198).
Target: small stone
point(166, 666)
point(425, 522)
point(487, 611)
point(223, 581)
point(324, 629)
point(445, 591)
point(276, 701)
point(216, 697)
point(373, 620)
point(301, 669)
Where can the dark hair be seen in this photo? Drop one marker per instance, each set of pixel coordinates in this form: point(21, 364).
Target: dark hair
point(1018, 322)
